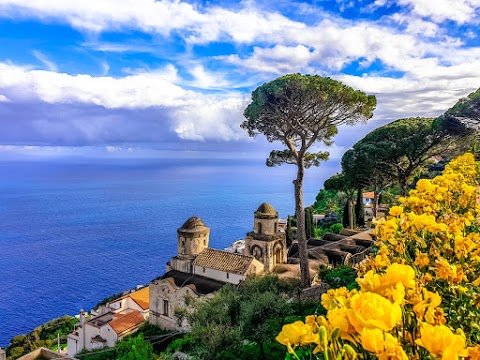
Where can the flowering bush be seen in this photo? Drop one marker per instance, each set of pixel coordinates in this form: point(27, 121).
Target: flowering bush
point(419, 294)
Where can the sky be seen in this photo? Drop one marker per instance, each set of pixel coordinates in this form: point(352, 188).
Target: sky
point(152, 79)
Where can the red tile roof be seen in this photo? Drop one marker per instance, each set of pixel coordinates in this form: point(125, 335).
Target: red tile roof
point(126, 322)
point(223, 261)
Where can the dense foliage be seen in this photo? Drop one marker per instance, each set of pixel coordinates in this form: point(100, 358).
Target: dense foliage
point(240, 322)
point(404, 146)
point(134, 347)
point(328, 202)
point(42, 336)
point(339, 276)
point(418, 296)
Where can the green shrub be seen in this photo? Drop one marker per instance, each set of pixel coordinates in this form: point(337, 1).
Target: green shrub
point(336, 228)
point(342, 275)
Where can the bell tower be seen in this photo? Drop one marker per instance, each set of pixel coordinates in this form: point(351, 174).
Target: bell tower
point(193, 238)
point(266, 243)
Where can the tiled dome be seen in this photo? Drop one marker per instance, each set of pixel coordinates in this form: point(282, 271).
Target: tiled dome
point(193, 223)
point(266, 210)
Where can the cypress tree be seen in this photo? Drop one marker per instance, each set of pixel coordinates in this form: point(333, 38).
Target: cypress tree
point(289, 232)
point(359, 209)
point(345, 219)
point(309, 226)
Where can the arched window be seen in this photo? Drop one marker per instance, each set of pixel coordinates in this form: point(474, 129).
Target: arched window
point(259, 228)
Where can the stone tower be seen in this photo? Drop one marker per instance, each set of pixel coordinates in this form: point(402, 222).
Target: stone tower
point(266, 243)
point(193, 238)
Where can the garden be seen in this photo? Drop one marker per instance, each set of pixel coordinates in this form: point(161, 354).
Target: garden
point(418, 294)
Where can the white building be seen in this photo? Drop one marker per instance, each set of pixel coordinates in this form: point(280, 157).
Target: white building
point(117, 319)
point(138, 300)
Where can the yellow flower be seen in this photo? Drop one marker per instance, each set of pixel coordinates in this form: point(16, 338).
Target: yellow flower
point(381, 261)
point(474, 352)
point(399, 273)
point(424, 185)
point(296, 334)
point(312, 321)
point(338, 318)
point(443, 269)
point(426, 307)
point(396, 210)
point(373, 340)
point(421, 259)
point(335, 297)
point(373, 311)
point(440, 340)
point(383, 344)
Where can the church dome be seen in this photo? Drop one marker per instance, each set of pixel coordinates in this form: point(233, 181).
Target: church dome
point(266, 210)
point(193, 224)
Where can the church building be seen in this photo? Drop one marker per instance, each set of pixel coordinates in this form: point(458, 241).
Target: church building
point(197, 271)
point(266, 242)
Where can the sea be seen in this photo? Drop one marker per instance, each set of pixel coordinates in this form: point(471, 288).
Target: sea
point(75, 231)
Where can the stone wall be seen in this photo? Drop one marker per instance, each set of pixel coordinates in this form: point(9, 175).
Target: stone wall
point(43, 353)
point(177, 299)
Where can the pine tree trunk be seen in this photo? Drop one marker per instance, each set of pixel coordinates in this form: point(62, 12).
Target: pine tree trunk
point(375, 204)
point(402, 181)
point(300, 214)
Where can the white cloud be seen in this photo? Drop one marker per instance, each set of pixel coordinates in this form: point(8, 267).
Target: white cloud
point(279, 59)
point(192, 115)
point(199, 122)
point(50, 65)
point(161, 17)
point(204, 79)
point(416, 25)
point(459, 11)
point(105, 68)
point(168, 73)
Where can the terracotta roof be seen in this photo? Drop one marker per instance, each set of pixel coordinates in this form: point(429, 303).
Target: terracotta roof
point(266, 209)
point(142, 297)
point(127, 321)
point(223, 261)
point(368, 195)
point(201, 285)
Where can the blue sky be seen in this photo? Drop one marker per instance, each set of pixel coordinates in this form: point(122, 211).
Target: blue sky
point(144, 78)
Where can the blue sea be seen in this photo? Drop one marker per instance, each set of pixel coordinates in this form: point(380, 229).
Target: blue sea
point(74, 232)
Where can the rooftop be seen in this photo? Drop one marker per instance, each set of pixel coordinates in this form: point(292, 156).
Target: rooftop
point(368, 195)
point(126, 322)
point(223, 261)
point(141, 297)
point(266, 209)
point(201, 285)
point(101, 320)
point(193, 224)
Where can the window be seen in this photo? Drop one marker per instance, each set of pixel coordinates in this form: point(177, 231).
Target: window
point(165, 307)
point(259, 228)
point(276, 228)
point(228, 275)
point(203, 269)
